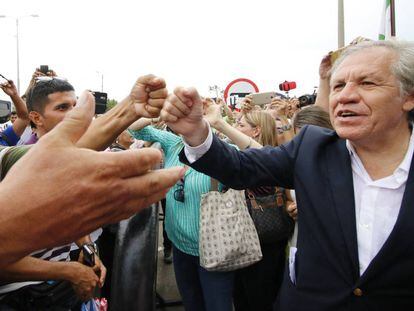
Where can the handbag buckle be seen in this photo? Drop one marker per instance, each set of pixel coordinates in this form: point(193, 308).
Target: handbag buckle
point(253, 201)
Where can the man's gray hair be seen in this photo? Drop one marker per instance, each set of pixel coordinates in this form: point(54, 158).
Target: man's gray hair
point(402, 68)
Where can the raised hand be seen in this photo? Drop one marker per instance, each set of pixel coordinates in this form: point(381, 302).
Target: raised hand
point(325, 66)
point(247, 104)
point(9, 88)
point(280, 106)
point(148, 95)
point(212, 111)
point(183, 113)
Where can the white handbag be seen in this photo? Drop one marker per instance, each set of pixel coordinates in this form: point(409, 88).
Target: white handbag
point(228, 239)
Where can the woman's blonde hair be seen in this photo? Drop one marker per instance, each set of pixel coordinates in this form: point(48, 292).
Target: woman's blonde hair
point(266, 124)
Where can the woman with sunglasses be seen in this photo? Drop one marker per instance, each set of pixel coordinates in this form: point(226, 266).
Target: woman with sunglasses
point(200, 289)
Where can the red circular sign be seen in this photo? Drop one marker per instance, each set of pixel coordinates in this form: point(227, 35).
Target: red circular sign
point(239, 88)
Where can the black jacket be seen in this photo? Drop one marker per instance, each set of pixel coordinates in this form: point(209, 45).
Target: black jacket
point(317, 165)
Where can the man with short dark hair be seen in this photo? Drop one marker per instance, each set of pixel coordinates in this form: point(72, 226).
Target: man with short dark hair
point(13, 116)
point(48, 102)
point(354, 186)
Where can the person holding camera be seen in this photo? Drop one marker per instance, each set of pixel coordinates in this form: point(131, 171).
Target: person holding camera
point(280, 109)
point(11, 135)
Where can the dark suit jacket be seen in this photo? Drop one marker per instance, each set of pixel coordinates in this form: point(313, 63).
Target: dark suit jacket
point(317, 165)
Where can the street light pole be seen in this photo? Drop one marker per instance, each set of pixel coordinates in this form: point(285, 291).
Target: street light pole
point(102, 79)
point(18, 55)
point(341, 27)
point(17, 45)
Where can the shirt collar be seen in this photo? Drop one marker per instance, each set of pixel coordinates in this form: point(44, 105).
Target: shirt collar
point(401, 172)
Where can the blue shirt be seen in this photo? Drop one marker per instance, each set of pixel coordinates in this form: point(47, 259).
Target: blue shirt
point(11, 137)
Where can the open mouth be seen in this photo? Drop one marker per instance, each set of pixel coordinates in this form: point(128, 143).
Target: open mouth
point(346, 114)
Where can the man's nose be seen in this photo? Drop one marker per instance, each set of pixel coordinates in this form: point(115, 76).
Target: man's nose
point(349, 94)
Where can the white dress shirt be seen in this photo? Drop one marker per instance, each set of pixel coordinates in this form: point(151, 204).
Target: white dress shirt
point(377, 203)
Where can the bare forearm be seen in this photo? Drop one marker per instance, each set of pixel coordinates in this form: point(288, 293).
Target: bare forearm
point(140, 124)
point(22, 120)
point(105, 129)
point(34, 269)
point(21, 108)
point(322, 99)
point(238, 138)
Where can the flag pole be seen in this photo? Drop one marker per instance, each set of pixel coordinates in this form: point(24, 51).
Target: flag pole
point(392, 8)
point(341, 28)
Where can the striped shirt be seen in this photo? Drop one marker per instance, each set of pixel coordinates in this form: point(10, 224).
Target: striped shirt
point(181, 219)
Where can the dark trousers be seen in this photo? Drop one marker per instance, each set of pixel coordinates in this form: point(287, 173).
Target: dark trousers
point(256, 286)
point(202, 290)
point(166, 241)
point(106, 243)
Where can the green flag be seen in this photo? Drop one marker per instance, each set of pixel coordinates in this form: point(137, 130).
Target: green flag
point(385, 27)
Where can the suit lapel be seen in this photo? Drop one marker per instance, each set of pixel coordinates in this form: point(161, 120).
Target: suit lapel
point(341, 183)
point(398, 241)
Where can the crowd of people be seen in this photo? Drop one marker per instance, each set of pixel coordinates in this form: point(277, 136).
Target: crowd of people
point(339, 168)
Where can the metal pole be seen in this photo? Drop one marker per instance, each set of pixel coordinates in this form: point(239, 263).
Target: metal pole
point(18, 56)
point(341, 28)
point(392, 8)
point(102, 82)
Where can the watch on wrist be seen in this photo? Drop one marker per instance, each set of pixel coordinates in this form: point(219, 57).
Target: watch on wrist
point(94, 246)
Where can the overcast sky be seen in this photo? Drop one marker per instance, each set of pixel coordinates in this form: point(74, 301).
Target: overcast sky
point(190, 43)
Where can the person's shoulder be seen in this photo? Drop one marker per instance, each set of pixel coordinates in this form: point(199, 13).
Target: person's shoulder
point(9, 156)
point(318, 130)
point(9, 137)
point(313, 132)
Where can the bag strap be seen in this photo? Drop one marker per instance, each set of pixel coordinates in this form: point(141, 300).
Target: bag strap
point(214, 184)
point(252, 199)
point(280, 198)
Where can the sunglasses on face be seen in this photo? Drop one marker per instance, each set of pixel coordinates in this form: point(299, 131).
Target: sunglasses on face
point(179, 192)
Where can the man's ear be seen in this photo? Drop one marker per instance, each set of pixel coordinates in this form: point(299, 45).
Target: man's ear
point(409, 103)
point(36, 118)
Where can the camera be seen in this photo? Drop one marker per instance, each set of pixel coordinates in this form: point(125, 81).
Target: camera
point(287, 86)
point(262, 99)
point(101, 101)
point(306, 100)
point(44, 69)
